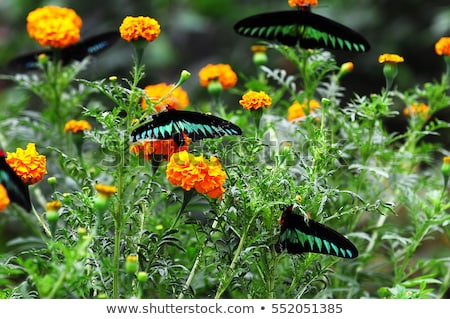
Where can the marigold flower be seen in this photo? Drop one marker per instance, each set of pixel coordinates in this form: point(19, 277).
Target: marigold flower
point(442, 46)
point(221, 72)
point(53, 205)
point(54, 26)
point(259, 54)
point(4, 199)
point(390, 58)
point(254, 100)
point(164, 148)
point(178, 99)
point(417, 109)
point(76, 126)
point(133, 28)
point(189, 171)
point(298, 111)
point(106, 190)
point(302, 3)
point(28, 164)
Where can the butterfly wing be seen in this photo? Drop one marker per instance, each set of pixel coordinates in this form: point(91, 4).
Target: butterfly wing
point(304, 28)
point(172, 123)
point(17, 190)
point(91, 46)
point(298, 236)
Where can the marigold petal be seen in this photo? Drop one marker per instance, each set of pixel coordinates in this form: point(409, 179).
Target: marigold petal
point(54, 26)
point(28, 164)
point(134, 28)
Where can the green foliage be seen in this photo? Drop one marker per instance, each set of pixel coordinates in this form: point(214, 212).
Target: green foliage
point(339, 164)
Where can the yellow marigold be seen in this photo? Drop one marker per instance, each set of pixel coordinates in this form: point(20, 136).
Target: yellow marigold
point(28, 164)
point(163, 148)
point(133, 28)
point(442, 46)
point(4, 199)
point(254, 100)
point(221, 72)
point(75, 126)
point(106, 190)
point(178, 99)
point(446, 159)
point(54, 26)
point(258, 48)
point(302, 3)
point(189, 171)
point(53, 205)
point(298, 111)
point(390, 58)
point(417, 109)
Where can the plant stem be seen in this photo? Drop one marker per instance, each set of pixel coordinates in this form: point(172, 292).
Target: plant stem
point(228, 274)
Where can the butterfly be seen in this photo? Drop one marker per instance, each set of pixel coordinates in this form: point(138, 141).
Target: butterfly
point(299, 236)
point(17, 190)
point(176, 125)
point(304, 28)
point(90, 46)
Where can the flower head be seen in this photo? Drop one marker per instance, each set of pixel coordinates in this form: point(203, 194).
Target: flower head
point(164, 148)
point(178, 99)
point(442, 46)
point(75, 126)
point(302, 3)
point(4, 199)
point(259, 54)
point(105, 190)
point(390, 58)
point(54, 26)
point(218, 72)
point(254, 100)
point(299, 111)
point(189, 171)
point(134, 28)
point(417, 109)
point(28, 164)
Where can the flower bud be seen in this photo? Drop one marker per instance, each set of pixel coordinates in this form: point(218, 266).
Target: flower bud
point(131, 263)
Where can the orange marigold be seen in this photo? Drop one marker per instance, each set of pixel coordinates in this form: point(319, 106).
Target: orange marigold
point(302, 3)
point(4, 199)
point(254, 100)
point(164, 148)
point(417, 109)
point(390, 58)
point(442, 46)
point(221, 72)
point(178, 99)
point(28, 164)
point(300, 110)
point(75, 126)
point(54, 26)
point(133, 28)
point(189, 171)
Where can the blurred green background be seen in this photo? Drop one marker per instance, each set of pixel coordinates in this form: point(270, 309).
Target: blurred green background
point(197, 32)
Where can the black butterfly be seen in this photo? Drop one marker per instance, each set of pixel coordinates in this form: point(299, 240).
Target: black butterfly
point(304, 28)
point(17, 190)
point(171, 124)
point(91, 46)
point(298, 236)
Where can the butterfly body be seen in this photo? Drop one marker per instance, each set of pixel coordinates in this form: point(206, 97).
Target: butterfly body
point(303, 28)
point(171, 124)
point(90, 46)
point(17, 190)
point(299, 236)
